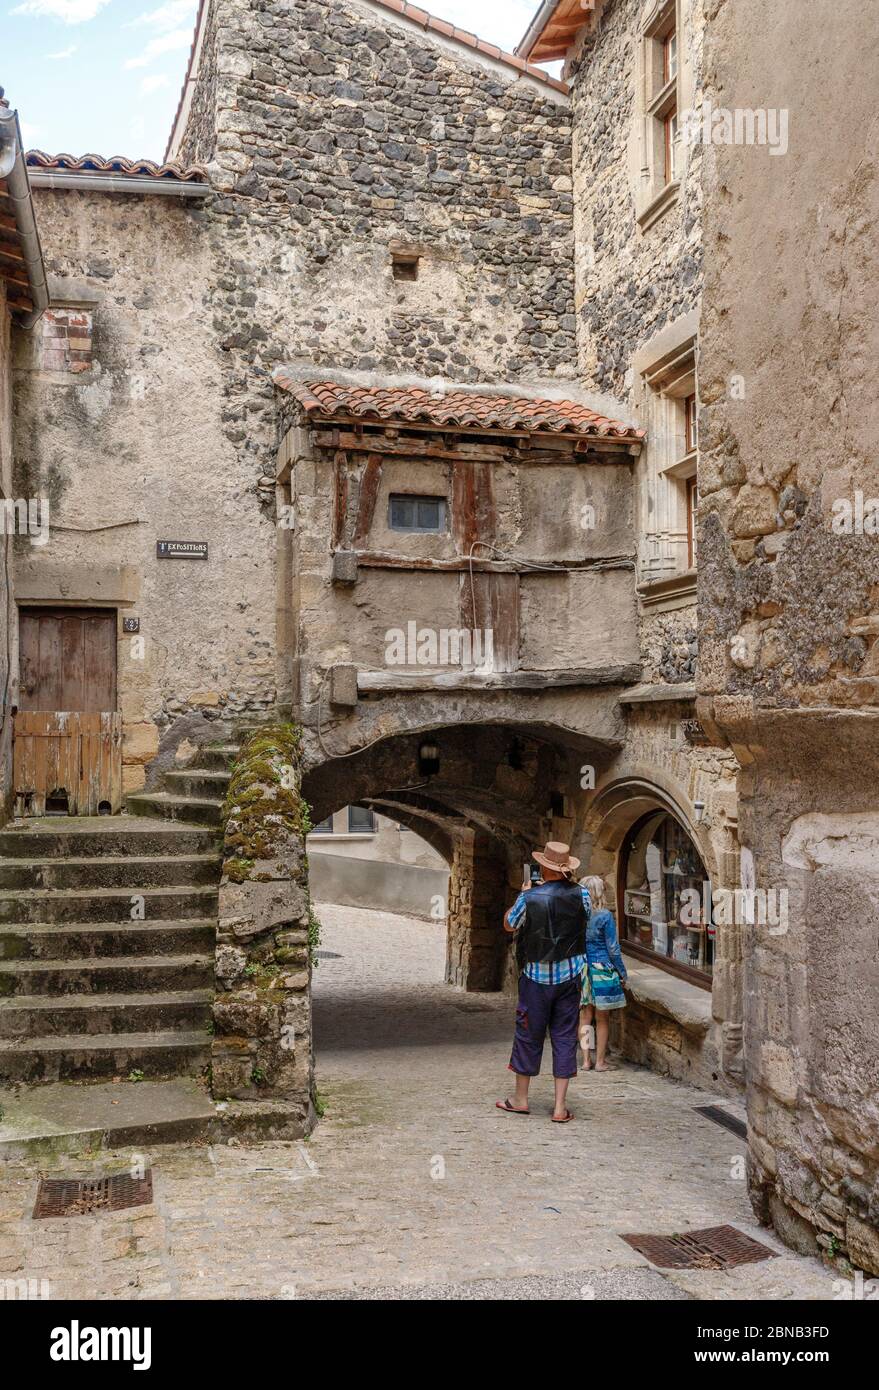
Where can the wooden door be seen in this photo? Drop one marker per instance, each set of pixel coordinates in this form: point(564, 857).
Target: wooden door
point(68, 734)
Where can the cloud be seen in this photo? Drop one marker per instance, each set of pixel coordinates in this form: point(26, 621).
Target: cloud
point(165, 43)
point(69, 11)
point(153, 82)
point(168, 16)
point(65, 53)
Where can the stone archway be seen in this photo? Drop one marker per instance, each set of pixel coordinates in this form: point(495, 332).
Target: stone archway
point(482, 808)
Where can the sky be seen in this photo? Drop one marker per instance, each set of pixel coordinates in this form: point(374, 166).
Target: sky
point(104, 76)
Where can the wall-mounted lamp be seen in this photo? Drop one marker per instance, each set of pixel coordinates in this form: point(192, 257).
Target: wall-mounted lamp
point(699, 808)
point(428, 759)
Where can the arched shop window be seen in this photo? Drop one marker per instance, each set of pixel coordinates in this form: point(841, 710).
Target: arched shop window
point(666, 898)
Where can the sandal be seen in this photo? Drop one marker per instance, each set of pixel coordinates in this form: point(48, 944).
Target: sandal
point(510, 1109)
point(566, 1119)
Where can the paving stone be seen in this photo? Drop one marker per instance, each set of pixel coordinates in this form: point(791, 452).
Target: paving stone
point(413, 1185)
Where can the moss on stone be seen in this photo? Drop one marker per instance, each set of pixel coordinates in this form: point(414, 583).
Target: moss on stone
point(238, 869)
point(262, 810)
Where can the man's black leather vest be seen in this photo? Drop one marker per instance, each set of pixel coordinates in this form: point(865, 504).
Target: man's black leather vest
point(555, 923)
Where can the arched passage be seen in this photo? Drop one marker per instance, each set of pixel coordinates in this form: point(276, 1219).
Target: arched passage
point(483, 795)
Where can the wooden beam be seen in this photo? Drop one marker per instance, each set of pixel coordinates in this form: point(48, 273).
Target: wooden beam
point(15, 277)
point(540, 448)
point(461, 564)
point(369, 486)
point(366, 442)
point(340, 497)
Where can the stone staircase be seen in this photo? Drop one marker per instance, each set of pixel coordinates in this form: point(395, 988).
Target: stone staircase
point(107, 936)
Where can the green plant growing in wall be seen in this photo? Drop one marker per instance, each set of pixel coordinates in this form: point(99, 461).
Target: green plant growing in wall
point(314, 931)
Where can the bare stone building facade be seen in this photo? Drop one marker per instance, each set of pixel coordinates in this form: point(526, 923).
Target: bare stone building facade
point(376, 409)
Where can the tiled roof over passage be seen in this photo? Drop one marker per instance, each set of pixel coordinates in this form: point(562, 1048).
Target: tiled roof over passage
point(328, 400)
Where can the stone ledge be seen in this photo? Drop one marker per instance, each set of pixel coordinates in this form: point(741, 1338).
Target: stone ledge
point(674, 998)
point(660, 692)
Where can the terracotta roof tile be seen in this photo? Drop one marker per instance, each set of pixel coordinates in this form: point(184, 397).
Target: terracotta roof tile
point(116, 164)
point(328, 400)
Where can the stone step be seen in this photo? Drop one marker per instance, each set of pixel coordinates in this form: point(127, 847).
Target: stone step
point(218, 756)
point(197, 783)
point(170, 806)
point(46, 905)
point(40, 1015)
point(61, 837)
point(106, 940)
point(99, 975)
point(78, 1056)
point(111, 871)
point(50, 1121)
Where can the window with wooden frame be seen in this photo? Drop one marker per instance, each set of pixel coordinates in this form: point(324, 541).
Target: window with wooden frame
point(692, 517)
point(660, 93)
point(691, 428)
point(670, 55)
point(667, 543)
point(671, 146)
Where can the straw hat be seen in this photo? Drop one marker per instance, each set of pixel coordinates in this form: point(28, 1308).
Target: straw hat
point(555, 855)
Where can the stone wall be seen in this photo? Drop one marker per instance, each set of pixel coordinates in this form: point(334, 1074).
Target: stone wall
point(632, 280)
point(262, 1048)
point(126, 439)
point(789, 578)
point(345, 133)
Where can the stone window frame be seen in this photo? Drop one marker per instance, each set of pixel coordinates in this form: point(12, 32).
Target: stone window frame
point(660, 97)
point(669, 387)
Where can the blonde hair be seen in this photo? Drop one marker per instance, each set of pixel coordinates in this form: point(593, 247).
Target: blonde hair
point(597, 890)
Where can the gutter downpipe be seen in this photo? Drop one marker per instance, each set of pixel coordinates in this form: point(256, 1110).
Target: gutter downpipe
point(536, 28)
point(26, 224)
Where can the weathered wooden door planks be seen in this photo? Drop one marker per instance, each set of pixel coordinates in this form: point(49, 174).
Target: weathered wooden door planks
point(68, 734)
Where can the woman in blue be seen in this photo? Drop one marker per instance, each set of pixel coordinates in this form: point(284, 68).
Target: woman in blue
point(603, 979)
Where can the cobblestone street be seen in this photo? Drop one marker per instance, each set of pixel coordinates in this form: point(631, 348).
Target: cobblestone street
point(413, 1184)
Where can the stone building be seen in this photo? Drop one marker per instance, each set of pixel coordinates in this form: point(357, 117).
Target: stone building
point(376, 407)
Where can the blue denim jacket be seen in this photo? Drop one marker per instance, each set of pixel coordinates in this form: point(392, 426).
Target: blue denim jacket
point(602, 942)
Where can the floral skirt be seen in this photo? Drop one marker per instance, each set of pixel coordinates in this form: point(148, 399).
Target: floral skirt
point(602, 987)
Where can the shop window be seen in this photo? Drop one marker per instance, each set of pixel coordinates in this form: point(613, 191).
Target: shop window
point(666, 897)
point(408, 512)
point(361, 821)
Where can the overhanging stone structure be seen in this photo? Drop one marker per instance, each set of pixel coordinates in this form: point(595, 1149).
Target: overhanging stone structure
point(501, 640)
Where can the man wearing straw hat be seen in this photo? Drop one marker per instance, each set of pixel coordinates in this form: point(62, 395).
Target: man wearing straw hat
point(549, 922)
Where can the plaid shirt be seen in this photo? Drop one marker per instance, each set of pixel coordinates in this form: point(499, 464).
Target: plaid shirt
point(554, 972)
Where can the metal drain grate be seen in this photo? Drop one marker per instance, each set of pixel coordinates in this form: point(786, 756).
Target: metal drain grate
point(723, 1117)
point(717, 1247)
point(83, 1196)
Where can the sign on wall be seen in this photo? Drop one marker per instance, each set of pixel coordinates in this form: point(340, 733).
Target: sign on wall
point(181, 550)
